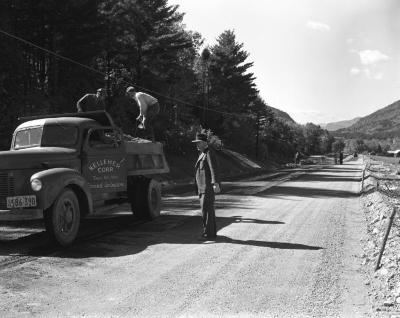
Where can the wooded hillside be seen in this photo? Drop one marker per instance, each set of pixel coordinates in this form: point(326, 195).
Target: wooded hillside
point(382, 124)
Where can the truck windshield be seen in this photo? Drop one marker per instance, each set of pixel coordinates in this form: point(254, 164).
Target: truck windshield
point(28, 138)
point(49, 136)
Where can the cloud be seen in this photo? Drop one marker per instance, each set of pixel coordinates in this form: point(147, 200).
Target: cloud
point(355, 71)
point(369, 57)
point(318, 26)
point(370, 73)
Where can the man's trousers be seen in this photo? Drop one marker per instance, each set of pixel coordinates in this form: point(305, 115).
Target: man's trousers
point(208, 213)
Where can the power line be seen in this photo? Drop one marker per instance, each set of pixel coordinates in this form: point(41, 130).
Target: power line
point(103, 74)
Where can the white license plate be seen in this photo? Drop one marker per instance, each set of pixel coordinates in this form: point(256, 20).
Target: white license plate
point(21, 201)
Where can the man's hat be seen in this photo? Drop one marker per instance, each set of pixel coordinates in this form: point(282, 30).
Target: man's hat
point(200, 137)
point(100, 90)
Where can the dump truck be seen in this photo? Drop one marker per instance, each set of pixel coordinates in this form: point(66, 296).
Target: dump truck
point(71, 166)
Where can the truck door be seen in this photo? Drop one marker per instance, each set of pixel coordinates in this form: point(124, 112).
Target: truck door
point(103, 162)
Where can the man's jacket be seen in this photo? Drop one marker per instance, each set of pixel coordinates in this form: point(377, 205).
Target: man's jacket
point(206, 171)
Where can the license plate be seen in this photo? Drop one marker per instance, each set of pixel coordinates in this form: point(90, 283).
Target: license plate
point(21, 201)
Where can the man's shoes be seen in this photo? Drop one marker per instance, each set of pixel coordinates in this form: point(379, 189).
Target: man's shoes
point(202, 237)
point(205, 237)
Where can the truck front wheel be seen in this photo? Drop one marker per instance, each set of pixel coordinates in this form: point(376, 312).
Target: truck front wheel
point(62, 219)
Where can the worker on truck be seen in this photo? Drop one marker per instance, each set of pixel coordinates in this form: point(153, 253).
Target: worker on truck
point(148, 109)
point(91, 102)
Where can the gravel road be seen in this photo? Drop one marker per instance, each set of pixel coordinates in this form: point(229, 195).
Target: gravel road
point(285, 248)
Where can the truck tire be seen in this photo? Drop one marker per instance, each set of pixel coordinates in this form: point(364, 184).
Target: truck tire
point(62, 219)
point(135, 194)
point(152, 199)
point(145, 197)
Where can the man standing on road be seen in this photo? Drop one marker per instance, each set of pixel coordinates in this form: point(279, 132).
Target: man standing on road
point(148, 109)
point(341, 157)
point(297, 158)
point(91, 102)
point(207, 183)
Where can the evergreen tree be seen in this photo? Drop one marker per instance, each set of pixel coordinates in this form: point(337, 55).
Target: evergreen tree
point(11, 75)
point(150, 36)
point(154, 52)
point(232, 87)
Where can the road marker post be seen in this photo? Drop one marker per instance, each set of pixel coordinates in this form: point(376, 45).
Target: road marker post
point(378, 261)
point(362, 180)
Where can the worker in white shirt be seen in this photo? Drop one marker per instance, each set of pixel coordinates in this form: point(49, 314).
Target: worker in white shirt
point(148, 105)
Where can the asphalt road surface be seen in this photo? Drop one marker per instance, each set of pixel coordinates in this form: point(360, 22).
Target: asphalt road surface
point(288, 247)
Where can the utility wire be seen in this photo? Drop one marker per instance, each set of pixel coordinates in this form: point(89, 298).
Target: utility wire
point(103, 74)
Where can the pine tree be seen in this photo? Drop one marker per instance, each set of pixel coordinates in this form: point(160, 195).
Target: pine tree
point(150, 36)
point(232, 87)
point(155, 53)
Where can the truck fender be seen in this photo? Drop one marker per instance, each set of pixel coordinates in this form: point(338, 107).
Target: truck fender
point(55, 179)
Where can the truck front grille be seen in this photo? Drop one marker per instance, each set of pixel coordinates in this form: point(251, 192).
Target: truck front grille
point(6, 188)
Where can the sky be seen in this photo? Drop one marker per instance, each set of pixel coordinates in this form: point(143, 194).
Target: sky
point(318, 60)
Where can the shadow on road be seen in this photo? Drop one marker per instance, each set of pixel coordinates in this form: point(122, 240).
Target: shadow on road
point(279, 191)
point(189, 205)
point(168, 229)
point(337, 170)
point(278, 245)
point(186, 230)
point(328, 178)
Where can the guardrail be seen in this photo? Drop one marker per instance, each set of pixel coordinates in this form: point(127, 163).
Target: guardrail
point(384, 177)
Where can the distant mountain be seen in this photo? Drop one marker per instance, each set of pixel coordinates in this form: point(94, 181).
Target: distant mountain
point(382, 124)
point(339, 124)
point(282, 115)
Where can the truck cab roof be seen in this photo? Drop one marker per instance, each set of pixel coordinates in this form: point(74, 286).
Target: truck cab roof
point(62, 121)
point(101, 117)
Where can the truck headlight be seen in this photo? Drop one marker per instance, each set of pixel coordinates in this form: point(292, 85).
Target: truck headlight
point(36, 184)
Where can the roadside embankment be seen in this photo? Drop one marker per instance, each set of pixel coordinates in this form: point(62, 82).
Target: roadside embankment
point(379, 198)
point(231, 165)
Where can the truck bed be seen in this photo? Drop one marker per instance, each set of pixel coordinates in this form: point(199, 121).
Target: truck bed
point(145, 158)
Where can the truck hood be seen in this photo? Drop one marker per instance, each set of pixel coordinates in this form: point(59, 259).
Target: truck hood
point(35, 158)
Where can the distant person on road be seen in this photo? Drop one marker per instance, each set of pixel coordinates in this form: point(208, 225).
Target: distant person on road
point(207, 184)
point(335, 157)
point(341, 157)
point(148, 109)
point(297, 158)
point(91, 102)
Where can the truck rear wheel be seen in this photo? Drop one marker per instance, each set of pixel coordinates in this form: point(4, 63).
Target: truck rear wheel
point(62, 219)
point(134, 196)
point(152, 199)
point(145, 197)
